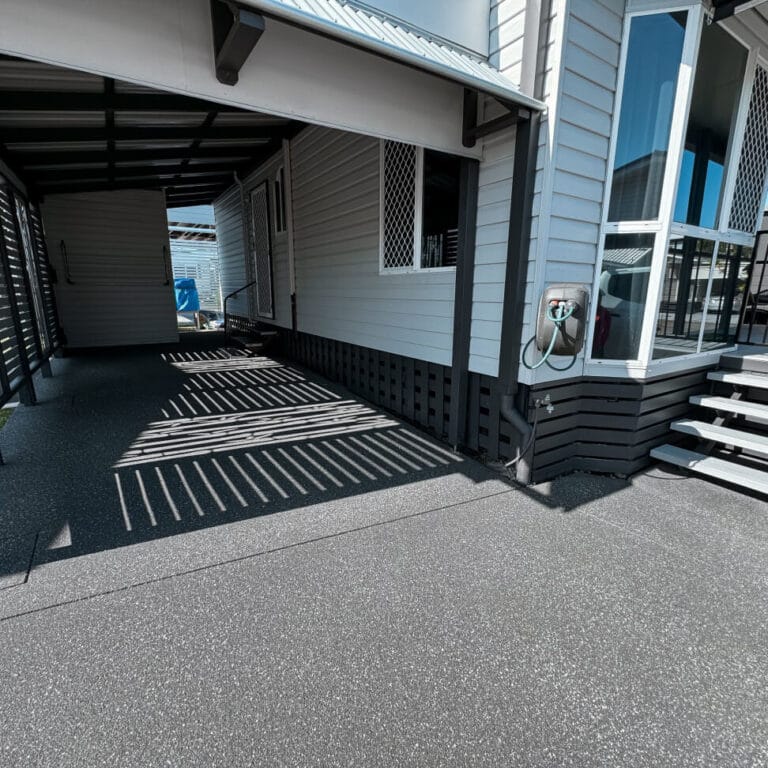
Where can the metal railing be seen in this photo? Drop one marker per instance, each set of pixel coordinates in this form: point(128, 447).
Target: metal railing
point(230, 321)
point(753, 325)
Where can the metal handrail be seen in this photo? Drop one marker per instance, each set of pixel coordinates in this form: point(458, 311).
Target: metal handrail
point(65, 260)
point(745, 308)
point(226, 299)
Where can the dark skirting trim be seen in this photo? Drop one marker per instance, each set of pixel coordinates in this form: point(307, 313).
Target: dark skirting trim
point(596, 425)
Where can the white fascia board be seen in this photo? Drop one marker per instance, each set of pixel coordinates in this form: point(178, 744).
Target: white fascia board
point(291, 73)
point(414, 50)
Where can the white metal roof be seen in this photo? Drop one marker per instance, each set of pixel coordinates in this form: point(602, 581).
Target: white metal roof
point(361, 27)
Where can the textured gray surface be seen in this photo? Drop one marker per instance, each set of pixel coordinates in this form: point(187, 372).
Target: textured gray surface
point(585, 622)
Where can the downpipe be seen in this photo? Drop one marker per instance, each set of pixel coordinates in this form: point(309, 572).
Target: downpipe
point(525, 431)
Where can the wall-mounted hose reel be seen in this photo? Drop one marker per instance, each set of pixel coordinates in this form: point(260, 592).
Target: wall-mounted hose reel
point(560, 325)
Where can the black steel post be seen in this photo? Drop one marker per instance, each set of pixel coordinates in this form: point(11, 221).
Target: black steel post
point(462, 305)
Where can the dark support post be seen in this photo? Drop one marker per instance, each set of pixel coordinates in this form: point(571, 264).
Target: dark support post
point(469, 118)
point(462, 305)
point(526, 147)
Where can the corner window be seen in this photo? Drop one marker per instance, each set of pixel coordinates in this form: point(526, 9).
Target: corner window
point(280, 225)
point(622, 295)
point(654, 54)
point(419, 208)
point(720, 68)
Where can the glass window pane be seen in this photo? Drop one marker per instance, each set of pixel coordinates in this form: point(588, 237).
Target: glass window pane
point(681, 312)
point(729, 282)
point(650, 81)
point(717, 87)
point(440, 210)
point(621, 299)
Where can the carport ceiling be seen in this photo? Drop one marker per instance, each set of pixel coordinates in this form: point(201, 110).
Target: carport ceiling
point(67, 131)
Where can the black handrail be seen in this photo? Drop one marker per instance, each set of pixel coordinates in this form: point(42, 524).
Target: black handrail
point(752, 310)
point(226, 299)
point(65, 260)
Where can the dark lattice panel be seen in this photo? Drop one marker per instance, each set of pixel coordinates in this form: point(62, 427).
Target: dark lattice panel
point(399, 205)
point(753, 163)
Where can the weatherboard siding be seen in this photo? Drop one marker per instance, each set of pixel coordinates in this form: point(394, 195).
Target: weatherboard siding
point(119, 290)
point(340, 292)
point(573, 159)
point(229, 240)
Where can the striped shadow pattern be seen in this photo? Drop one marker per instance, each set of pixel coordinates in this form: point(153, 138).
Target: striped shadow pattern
point(252, 436)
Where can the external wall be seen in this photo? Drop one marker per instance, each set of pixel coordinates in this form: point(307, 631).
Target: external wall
point(573, 153)
point(121, 291)
point(232, 249)
point(507, 23)
point(340, 293)
point(461, 21)
point(233, 232)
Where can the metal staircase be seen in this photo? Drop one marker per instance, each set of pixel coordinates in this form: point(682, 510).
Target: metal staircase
point(729, 439)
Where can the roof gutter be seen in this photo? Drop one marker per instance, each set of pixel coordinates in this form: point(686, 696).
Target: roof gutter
point(278, 10)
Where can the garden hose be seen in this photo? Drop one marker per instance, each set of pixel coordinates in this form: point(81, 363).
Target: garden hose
point(558, 320)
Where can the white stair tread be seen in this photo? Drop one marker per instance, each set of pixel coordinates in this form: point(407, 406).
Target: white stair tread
point(725, 435)
point(746, 477)
point(742, 407)
point(759, 380)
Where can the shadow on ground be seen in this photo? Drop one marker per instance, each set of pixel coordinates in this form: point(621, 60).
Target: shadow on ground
point(130, 446)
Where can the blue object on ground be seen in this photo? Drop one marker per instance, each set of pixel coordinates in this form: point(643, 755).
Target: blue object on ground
point(187, 298)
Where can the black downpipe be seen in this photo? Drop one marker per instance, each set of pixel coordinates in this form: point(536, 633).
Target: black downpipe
point(519, 239)
point(526, 145)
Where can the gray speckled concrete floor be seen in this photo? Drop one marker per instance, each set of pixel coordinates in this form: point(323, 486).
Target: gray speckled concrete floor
point(585, 622)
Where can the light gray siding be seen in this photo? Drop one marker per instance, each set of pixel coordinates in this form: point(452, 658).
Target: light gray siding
point(229, 239)
point(507, 25)
point(493, 201)
point(114, 241)
point(340, 293)
point(590, 66)
point(573, 153)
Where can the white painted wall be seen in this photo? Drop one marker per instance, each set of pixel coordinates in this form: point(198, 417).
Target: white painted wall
point(573, 153)
point(340, 293)
point(507, 20)
point(114, 243)
point(461, 21)
point(506, 28)
point(230, 240)
point(291, 72)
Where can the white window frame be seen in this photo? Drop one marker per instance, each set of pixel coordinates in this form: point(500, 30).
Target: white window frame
point(418, 202)
point(664, 226)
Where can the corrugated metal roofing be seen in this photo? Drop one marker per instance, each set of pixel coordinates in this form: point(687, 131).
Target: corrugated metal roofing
point(626, 256)
point(361, 27)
